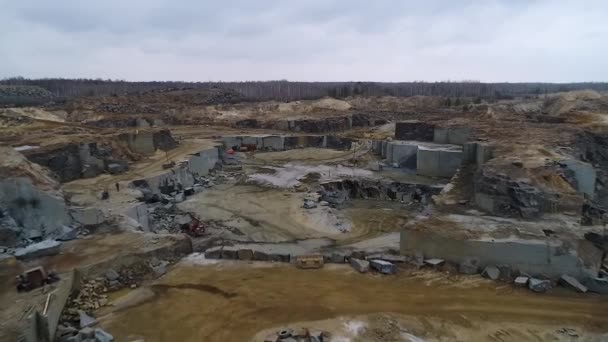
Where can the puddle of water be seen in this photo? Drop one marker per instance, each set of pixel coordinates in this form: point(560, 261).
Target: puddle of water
point(162, 289)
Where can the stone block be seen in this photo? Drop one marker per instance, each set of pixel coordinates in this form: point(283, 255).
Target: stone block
point(404, 154)
point(571, 282)
point(485, 152)
point(63, 330)
point(309, 261)
point(469, 153)
point(456, 135)
point(37, 250)
point(505, 272)
point(87, 216)
point(418, 259)
point(85, 322)
point(229, 252)
point(440, 135)
point(213, 253)
point(521, 281)
point(159, 270)
point(245, 254)
point(584, 174)
point(67, 234)
point(597, 285)
point(117, 168)
point(338, 143)
point(291, 142)
point(383, 148)
point(183, 219)
point(253, 140)
point(201, 163)
point(279, 257)
point(469, 266)
point(358, 255)
point(491, 272)
point(459, 135)
point(273, 143)
point(374, 256)
point(338, 258)
point(309, 204)
point(34, 234)
point(449, 162)
point(427, 162)
point(112, 275)
point(394, 258)
point(382, 266)
point(389, 152)
point(8, 236)
point(139, 214)
point(538, 285)
point(261, 256)
point(377, 147)
point(438, 161)
point(90, 171)
point(282, 125)
point(361, 266)
point(103, 336)
point(434, 262)
point(231, 142)
point(180, 197)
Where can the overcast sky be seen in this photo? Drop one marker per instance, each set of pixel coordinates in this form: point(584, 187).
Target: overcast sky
point(308, 40)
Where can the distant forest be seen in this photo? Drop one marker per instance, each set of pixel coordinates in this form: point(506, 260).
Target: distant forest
point(289, 91)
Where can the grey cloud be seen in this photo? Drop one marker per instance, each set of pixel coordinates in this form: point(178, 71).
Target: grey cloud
point(390, 40)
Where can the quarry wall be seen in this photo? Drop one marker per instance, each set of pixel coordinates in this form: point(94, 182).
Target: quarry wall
point(281, 143)
point(88, 159)
point(183, 175)
point(335, 123)
point(549, 258)
point(428, 159)
point(35, 212)
point(337, 192)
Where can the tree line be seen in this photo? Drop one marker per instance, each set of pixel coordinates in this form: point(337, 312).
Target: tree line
point(283, 90)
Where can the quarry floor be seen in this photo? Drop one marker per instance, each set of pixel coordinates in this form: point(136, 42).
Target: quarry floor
point(93, 254)
point(239, 301)
point(201, 300)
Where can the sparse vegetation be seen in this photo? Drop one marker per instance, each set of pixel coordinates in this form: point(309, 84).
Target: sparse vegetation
point(288, 91)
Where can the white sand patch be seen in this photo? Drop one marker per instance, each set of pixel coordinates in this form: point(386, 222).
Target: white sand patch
point(290, 175)
point(355, 327)
point(411, 338)
point(199, 259)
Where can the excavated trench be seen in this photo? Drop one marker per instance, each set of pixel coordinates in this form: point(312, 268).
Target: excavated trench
point(337, 192)
point(89, 159)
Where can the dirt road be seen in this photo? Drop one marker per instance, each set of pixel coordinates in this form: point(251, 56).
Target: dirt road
point(232, 302)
